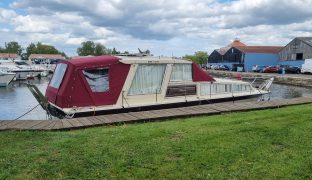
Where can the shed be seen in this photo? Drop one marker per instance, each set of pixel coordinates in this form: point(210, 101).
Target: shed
point(295, 52)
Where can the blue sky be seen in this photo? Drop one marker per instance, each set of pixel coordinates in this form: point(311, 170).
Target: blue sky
point(165, 27)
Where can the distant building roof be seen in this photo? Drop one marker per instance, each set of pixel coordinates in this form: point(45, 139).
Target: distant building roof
point(236, 43)
point(223, 50)
point(8, 55)
point(260, 49)
point(77, 57)
point(46, 56)
point(307, 40)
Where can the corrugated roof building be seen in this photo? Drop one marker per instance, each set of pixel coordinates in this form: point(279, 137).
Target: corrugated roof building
point(238, 54)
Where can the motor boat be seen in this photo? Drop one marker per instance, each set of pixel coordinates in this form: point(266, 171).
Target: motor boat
point(22, 69)
point(111, 84)
point(6, 78)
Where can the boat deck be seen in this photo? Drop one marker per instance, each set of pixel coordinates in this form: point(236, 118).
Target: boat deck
point(146, 116)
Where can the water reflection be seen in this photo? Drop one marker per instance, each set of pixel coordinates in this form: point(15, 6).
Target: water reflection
point(281, 91)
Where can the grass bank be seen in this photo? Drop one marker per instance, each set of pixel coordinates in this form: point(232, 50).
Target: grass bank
point(260, 144)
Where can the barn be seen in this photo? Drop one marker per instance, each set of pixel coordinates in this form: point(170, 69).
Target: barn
point(238, 54)
point(295, 52)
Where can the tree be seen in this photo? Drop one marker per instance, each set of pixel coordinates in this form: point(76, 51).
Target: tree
point(31, 49)
point(40, 48)
point(99, 49)
point(12, 47)
point(200, 57)
point(90, 48)
point(114, 51)
point(87, 48)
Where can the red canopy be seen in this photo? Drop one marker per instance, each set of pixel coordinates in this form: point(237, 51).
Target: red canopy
point(75, 91)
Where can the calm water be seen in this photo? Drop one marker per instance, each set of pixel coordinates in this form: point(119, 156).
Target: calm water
point(16, 99)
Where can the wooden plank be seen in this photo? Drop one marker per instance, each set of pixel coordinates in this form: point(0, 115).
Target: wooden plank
point(75, 123)
point(3, 126)
point(50, 126)
point(66, 124)
point(143, 115)
point(191, 111)
point(106, 119)
point(195, 109)
point(42, 125)
point(85, 121)
point(154, 114)
point(94, 120)
point(208, 110)
point(30, 123)
point(58, 125)
point(10, 124)
point(177, 112)
point(117, 118)
point(128, 117)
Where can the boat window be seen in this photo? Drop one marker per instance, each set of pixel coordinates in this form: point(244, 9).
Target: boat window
point(97, 79)
point(58, 75)
point(237, 87)
point(148, 79)
point(181, 72)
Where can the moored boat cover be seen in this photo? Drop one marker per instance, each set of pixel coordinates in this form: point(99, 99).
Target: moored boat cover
point(75, 90)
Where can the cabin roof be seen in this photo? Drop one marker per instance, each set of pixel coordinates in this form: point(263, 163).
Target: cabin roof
point(93, 61)
point(104, 60)
point(152, 59)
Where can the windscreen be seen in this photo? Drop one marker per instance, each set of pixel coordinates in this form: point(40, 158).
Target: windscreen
point(58, 75)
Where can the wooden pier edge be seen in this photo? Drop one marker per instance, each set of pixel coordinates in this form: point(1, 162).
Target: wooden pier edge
point(148, 116)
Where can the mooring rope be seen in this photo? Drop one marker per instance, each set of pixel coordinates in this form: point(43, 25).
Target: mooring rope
point(27, 112)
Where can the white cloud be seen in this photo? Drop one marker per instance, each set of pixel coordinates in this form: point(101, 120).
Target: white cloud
point(164, 26)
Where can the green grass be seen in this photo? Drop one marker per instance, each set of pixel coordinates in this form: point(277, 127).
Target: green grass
point(253, 145)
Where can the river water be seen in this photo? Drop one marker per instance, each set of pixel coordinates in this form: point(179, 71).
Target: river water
point(16, 99)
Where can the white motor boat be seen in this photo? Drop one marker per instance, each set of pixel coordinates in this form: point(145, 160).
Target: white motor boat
point(6, 78)
point(23, 70)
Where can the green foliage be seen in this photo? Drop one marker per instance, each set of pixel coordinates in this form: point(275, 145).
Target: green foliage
point(200, 57)
point(40, 48)
point(268, 144)
point(89, 48)
point(12, 47)
point(114, 51)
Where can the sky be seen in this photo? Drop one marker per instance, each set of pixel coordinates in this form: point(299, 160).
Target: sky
point(165, 27)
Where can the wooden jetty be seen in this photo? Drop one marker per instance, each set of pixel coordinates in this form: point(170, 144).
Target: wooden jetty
point(152, 115)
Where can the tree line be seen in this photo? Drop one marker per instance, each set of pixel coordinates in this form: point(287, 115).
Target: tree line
point(39, 48)
point(87, 48)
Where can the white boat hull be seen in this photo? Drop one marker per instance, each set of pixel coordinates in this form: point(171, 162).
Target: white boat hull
point(6, 78)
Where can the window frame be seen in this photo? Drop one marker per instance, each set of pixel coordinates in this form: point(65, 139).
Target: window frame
point(87, 82)
point(182, 80)
point(129, 93)
point(54, 76)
